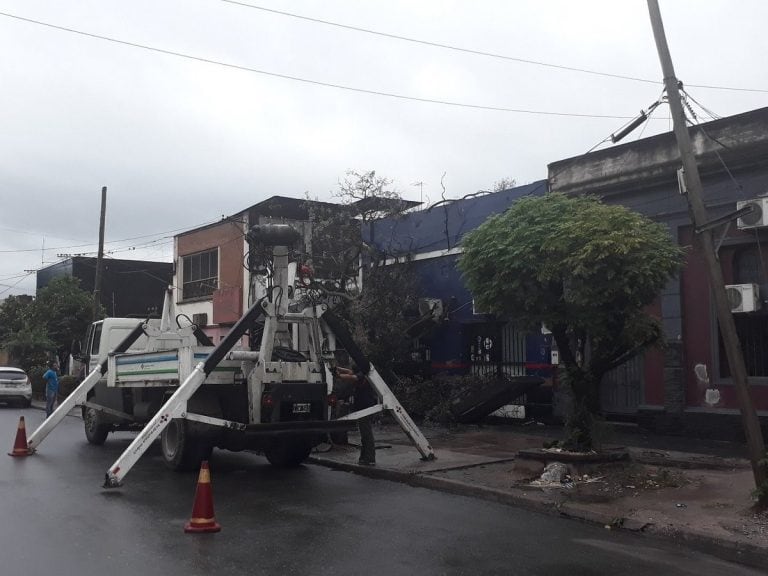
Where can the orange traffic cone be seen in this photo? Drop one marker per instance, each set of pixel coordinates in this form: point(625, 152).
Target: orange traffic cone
point(203, 519)
point(20, 446)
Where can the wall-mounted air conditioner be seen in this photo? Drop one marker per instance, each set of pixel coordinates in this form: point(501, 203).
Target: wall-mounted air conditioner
point(758, 218)
point(743, 297)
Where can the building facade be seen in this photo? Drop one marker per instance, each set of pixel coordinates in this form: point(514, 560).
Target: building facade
point(732, 154)
point(129, 288)
point(461, 339)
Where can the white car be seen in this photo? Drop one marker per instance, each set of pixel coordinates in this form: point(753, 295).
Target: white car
point(15, 386)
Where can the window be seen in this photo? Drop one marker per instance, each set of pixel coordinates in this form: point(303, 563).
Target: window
point(746, 267)
point(752, 329)
point(201, 274)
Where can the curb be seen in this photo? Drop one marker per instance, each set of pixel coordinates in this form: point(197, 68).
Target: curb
point(38, 405)
point(652, 458)
point(742, 553)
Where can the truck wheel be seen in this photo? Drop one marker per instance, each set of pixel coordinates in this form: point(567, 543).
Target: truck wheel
point(95, 431)
point(288, 454)
point(182, 451)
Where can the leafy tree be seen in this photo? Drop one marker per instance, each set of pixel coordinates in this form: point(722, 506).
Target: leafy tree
point(14, 313)
point(381, 315)
point(29, 346)
point(587, 271)
point(377, 314)
point(27, 343)
point(64, 311)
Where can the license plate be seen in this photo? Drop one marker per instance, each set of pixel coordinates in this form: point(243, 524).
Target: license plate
point(301, 408)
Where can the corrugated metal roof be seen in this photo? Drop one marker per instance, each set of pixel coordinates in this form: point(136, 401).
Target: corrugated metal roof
point(443, 225)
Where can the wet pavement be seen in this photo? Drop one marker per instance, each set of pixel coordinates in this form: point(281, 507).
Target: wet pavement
point(312, 520)
point(702, 498)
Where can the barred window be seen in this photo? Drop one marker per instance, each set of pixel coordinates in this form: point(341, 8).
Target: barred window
point(200, 273)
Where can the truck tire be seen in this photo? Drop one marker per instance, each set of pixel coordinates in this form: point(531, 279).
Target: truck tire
point(95, 431)
point(181, 450)
point(288, 453)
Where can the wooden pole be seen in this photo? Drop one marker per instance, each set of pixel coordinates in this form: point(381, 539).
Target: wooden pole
point(752, 431)
point(100, 257)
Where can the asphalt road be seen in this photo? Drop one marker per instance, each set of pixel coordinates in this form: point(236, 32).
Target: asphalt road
point(56, 519)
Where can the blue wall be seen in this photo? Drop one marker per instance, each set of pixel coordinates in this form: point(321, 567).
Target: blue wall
point(441, 228)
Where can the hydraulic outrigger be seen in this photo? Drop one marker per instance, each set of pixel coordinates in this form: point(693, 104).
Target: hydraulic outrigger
point(323, 331)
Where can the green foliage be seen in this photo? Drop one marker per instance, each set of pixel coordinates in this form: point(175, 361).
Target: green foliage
point(14, 313)
point(29, 346)
point(378, 312)
point(559, 259)
point(587, 271)
point(379, 317)
point(35, 374)
point(34, 330)
point(64, 310)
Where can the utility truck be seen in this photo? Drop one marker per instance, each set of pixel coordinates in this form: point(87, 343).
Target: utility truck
point(266, 386)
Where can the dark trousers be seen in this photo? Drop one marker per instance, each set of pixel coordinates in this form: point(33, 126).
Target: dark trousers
point(367, 443)
point(50, 402)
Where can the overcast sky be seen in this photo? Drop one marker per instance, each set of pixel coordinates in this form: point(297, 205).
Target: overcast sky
point(180, 142)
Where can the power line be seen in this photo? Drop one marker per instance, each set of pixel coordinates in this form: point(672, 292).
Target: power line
point(185, 228)
point(481, 52)
point(310, 81)
point(15, 284)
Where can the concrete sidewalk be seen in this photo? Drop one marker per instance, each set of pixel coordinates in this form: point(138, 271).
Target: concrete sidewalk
point(700, 497)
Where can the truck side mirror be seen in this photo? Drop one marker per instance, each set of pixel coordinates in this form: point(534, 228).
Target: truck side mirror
point(77, 349)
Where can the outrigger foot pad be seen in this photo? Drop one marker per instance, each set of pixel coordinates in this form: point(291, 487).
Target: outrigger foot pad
point(111, 482)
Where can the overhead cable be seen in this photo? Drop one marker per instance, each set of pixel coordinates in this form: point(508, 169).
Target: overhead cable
point(481, 52)
point(310, 81)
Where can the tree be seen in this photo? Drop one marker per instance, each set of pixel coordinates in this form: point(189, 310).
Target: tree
point(377, 314)
point(14, 313)
point(64, 311)
point(504, 184)
point(587, 271)
point(371, 196)
point(27, 343)
point(30, 346)
point(379, 317)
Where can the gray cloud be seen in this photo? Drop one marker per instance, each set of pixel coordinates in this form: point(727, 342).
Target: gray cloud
point(180, 142)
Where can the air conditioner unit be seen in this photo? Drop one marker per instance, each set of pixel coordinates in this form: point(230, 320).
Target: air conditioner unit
point(758, 218)
point(743, 297)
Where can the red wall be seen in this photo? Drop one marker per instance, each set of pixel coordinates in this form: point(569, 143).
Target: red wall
point(653, 366)
point(698, 326)
point(228, 236)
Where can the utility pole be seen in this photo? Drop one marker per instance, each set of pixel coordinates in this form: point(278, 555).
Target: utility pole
point(751, 423)
point(100, 257)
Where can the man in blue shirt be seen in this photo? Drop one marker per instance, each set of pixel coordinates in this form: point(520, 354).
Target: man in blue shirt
point(51, 388)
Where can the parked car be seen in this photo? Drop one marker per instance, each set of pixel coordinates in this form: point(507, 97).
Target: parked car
point(15, 386)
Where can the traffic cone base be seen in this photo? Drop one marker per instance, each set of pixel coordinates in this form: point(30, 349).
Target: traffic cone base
point(203, 518)
point(20, 447)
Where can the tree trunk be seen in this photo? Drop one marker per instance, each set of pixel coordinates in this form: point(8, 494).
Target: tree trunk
point(580, 423)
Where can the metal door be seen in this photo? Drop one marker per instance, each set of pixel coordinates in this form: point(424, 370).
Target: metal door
point(621, 389)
